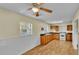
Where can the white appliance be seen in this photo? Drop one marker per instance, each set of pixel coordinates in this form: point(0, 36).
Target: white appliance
point(62, 35)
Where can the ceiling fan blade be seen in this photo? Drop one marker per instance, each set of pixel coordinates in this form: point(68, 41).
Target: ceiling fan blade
point(46, 9)
point(30, 9)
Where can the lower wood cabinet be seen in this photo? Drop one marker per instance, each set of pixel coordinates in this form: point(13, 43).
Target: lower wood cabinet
point(69, 36)
point(56, 36)
point(47, 38)
point(42, 40)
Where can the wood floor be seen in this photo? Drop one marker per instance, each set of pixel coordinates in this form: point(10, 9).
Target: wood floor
point(55, 47)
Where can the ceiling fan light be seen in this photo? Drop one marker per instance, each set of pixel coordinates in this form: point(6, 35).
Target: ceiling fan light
point(35, 9)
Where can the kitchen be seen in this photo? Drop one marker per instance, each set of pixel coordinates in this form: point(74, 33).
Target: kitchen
point(57, 32)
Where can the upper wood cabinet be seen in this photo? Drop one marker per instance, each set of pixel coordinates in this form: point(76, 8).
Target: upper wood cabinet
point(55, 28)
point(69, 27)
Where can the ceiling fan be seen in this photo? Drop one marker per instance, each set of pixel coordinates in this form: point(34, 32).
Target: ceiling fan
point(37, 7)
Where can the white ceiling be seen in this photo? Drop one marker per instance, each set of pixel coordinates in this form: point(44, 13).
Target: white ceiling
point(61, 11)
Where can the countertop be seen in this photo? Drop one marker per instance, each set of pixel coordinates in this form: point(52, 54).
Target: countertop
point(53, 33)
point(48, 33)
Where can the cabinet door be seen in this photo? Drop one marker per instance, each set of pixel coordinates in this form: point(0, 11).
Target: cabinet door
point(55, 36)
point(48, 38)
point(69, 36)
point(43, 40)
point(69, 27)
point(54, 28)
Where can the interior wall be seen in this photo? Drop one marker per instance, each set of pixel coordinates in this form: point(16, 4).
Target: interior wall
point(10, 29)
point(75, 30)
point(9, 23)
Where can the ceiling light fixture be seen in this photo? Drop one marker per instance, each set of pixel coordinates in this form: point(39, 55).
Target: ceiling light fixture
point(34, 9)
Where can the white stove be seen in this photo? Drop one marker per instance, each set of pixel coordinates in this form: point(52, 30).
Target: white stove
point(62, 35)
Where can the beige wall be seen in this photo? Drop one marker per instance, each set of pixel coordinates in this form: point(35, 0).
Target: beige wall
point(10, 33)
point(9, 23)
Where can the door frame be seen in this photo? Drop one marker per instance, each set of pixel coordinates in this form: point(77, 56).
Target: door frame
point(75, 33)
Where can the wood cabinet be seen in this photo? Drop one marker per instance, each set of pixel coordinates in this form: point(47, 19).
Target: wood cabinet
point(69, 36)
point(54, 28)
point(69, 27)
point(55, 36)
point(42, 40)
point(47, 38)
